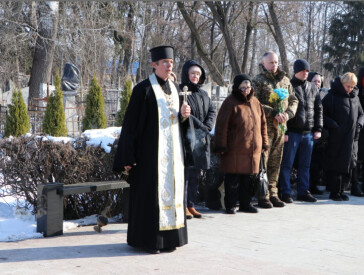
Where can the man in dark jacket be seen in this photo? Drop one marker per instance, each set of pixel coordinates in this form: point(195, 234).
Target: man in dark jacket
point(201, 122)
point(302, 130)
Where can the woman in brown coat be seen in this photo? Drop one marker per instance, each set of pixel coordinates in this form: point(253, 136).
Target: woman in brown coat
point(240, 137)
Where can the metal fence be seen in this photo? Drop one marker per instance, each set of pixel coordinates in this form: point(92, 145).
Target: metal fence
point(3, 114)
point(74, 107)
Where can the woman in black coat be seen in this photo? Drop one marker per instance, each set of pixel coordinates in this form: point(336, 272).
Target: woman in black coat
point(196, 132)
point(343, 116)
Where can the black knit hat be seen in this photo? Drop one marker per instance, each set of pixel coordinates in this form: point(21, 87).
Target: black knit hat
point(162, 52)
point(239, 79)
point(301, 65)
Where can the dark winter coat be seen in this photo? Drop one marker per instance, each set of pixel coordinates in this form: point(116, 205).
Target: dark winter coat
point(240, 133)
point(201, 121)
point(309, 111)
point(361, 97)
point(343, 117)
point(361, 85)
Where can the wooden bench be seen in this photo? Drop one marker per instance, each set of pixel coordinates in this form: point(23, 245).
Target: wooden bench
point(50, 202)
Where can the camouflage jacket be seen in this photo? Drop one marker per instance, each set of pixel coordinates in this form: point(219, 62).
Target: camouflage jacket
point(264, 83)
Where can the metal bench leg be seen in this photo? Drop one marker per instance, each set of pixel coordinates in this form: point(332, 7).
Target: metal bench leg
point(125, 204)
point(50, 210)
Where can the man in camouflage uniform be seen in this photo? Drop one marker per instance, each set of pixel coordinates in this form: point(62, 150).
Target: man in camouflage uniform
point(271, 77)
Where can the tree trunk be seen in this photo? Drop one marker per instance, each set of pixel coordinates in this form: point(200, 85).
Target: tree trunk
point(215, 74)
point(193, 45)
point(249, 29)
point(309, 33)
point(128, 40)
point(16, 11)
point(212, 38)
point(44, 48)
point(324, 38)
point(254, 46)
point(279, 37)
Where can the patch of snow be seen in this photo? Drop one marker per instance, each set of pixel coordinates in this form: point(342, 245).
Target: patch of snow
point(59, 139)
point(102, 137)
point(16, 224)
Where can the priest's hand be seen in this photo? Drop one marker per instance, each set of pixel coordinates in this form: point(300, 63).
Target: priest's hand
point(128, 167)
point(317, 135)
point(185, 110)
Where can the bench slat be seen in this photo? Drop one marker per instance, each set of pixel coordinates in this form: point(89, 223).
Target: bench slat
point(85, 187)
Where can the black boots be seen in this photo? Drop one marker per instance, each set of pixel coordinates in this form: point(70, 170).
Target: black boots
point(248, 208)
point(306, 197)
point(356, 190)
point(276, 201)
point(231, 210)
point(341, 196)
point(335, 196)
point(314, 190)
point(287, 198)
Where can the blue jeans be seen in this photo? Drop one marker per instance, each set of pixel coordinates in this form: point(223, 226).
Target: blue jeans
point(301, 144)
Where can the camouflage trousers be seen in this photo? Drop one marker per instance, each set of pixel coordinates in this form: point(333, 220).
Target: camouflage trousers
point(273, 159)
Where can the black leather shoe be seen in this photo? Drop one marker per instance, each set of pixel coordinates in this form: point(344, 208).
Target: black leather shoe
point(306, 197)
point(314, 190)
point(231, 210)
point(168, 250)
point(152, 251)
point(287, 198)
point(248, 209)
point(276, 202)
point(335, 197)
point(344, 196)
point(264, 203)
point(356, 190)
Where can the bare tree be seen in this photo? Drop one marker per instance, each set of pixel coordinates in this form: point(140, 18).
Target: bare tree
point(44, 48)
point(277, 34)
point(221, 13)
point(249, 29)
point(216, 75)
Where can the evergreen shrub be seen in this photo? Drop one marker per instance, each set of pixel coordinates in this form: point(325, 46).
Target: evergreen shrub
point(54, 122)
point(95, 117)
point(124, 101)
point(17, 122)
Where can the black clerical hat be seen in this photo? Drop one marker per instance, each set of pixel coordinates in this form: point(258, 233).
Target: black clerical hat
point(162, 52)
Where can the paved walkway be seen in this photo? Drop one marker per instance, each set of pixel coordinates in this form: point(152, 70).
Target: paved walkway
point(303, 238)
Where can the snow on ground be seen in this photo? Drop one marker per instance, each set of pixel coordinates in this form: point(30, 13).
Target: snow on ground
point(17, 224)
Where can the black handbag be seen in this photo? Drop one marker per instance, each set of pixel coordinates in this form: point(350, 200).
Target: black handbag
point(260, 180)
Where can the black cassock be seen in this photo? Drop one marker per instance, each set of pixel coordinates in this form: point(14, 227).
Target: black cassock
point(138, 144)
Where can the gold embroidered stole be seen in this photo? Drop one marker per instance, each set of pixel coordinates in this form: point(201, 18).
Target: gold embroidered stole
point(170, 159)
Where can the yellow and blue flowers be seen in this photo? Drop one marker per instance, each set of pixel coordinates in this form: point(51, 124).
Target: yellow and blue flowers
point(282, 93)
point(277, 97)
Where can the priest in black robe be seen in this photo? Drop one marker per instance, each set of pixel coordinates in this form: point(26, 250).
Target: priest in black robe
point(150, 150)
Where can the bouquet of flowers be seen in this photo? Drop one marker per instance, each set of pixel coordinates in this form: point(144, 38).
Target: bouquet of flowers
point(277, 97)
